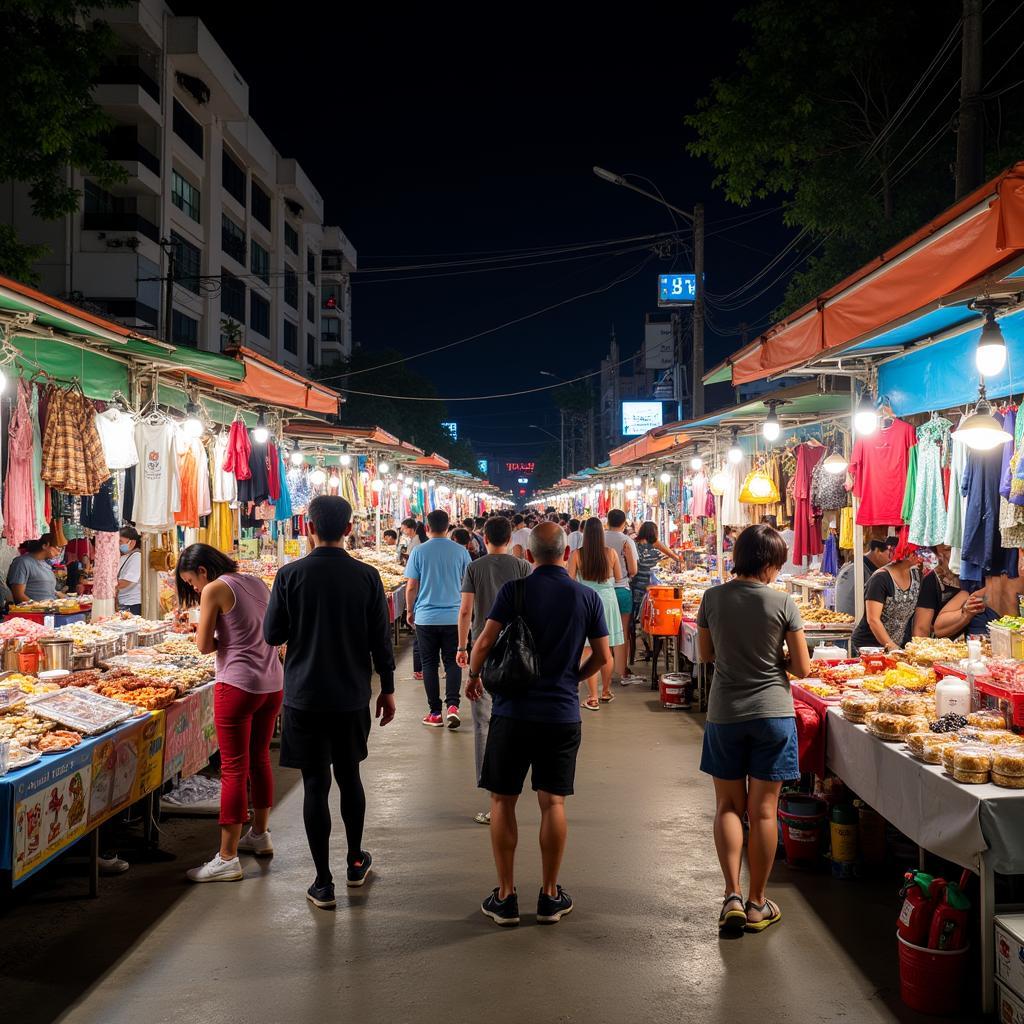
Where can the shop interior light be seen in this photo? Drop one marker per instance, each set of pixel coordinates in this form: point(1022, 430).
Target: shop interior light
point(344, 460)
point(637, 481)
point(990, 355)
point(261, 434)
point(719, 482)
point(377, 486)
point(393, 488)
point(383, 468)
point(431, 482)
point(666, 477)
point(297, 458)
point(334, 481)
point(865, 419)
point(3, 381)
point(193, 425)
point(630, 495)
point(735, 453)
point(835, 463)
point(771, 428)
point(696, 463)
point(401, 476)
point(317, 476)
point(652, 492)
point(981, 431)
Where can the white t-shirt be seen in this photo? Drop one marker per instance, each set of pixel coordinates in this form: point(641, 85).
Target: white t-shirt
point(225, 485)
point(130, 569)
point(117, 435)
point(618, 542)
point(521, 536)
point(575, 540)
point(157, 494)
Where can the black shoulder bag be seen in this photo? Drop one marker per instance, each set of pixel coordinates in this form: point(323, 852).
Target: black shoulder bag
point(511, 667)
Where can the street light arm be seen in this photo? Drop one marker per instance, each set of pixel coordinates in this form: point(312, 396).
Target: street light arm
point(534, 426)
point(617, 179)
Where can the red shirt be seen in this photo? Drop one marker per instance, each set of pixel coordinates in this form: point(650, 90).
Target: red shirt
point(879, 470)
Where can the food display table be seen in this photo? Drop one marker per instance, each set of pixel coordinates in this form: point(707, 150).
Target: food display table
point(977, 827)
point(54, 619)
point(396, 610)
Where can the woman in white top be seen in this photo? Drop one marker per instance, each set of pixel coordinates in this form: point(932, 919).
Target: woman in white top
point(129, 572)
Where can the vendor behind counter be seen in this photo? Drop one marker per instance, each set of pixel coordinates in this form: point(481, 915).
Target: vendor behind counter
point(30, 577)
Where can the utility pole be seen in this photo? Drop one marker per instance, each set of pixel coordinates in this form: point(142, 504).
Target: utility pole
point(970, 137)
point(561, 442)
point(168, 248)
point(698, 308)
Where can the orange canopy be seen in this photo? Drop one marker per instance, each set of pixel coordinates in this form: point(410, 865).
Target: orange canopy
point(971, 238)
point(434, 461)
point(652, 443)
point(266, 381)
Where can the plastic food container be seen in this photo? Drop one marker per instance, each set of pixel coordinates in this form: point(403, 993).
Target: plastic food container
point(1006, 643)
point(54, 675)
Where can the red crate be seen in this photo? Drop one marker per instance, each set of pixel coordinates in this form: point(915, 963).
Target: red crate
point(1013, 699)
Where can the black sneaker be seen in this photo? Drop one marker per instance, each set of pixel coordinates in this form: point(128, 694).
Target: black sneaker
point(322, 896)
point(357, 872)
point(551, 909)
point(504, 912)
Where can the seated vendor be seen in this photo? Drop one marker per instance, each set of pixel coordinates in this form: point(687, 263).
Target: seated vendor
point(30, 577)
point(967, 614)
point(890, 603)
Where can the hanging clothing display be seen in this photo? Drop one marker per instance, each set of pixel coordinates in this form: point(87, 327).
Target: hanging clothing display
point(117, 435)
point(806, 519)
point(73, 460)
point(830, 556)
point(910, 488)
point(204, 499)
point(254, 488)
point(225, 484)
point(846, 528)
point(298, 489)
point(982, 552)
point(38, 487)
point(879, 466)
point(273, 472)
point(955, 504)
point(733, 513)
point(99, 511)
point(283, 505)
point(699, 484)
point(187, 513)
point(104, 574)
point(19, 501)
point(157, 494)
point(239, 451)
point(828, 490)
point(220, 530)
point(776, 471)
point(928, 515)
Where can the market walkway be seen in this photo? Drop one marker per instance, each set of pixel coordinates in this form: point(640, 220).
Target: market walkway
point(413, 946)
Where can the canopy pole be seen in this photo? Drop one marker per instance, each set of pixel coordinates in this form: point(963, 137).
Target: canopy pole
point(858, 530)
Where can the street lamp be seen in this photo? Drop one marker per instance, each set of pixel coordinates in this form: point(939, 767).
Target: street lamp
point(696, 220)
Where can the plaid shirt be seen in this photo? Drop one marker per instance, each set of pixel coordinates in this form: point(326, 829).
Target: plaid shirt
point(73, 459)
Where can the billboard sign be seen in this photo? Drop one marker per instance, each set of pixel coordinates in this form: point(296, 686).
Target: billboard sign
point(481, 466)
point(452, 428)
point(659, 346)
point(639, 417)
point(677, 289)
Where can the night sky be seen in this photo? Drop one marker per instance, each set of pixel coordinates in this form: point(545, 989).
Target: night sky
point(431, 135)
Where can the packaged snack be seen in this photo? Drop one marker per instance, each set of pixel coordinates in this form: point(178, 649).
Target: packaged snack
point(1008, 760)
point(972, 759)
point(971, 778)
point(990, 718)
point(890, 727)
point(934, 753)
point(1008, 781)
point(857, 705)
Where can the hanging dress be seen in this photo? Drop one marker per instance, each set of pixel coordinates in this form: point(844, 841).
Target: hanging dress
point(928, 510)
point(955, 504)
point(38, 487)
point(20, 522)
point(806, 523)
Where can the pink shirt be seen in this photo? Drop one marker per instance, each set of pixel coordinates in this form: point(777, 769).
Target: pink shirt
point(244, 658)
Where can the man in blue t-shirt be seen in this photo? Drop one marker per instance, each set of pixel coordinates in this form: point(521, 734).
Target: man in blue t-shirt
point(433, 593)
point(541, 729)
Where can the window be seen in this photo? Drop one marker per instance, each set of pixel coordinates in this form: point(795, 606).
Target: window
point(184, 329)
point(259, 314)
point(232, 297)
point(232, 177)
point(185, 196)
point(291, 238)
point(291, 337)
point(311, 307)
point(260, 205)
point(259, 261)
point(311, 349)
point(97, 199)
point(311, 267)
point(291, 287)
point(188, 261)
point(188, 129)
point(232, 239)
point(330, 331)
point(331, 260)
point(331, 295)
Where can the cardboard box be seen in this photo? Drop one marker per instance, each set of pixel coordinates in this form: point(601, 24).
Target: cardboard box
point(1009, 1008)
point(1009, 943)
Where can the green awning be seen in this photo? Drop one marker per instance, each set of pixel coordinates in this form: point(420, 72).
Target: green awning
point(99, 376)
point(219, 412)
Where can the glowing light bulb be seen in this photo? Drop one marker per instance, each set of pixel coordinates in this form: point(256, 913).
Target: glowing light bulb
point(696, 463)
point(665, 478)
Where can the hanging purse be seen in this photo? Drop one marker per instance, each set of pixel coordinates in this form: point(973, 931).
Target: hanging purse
point(161, 558)
point(759, 489)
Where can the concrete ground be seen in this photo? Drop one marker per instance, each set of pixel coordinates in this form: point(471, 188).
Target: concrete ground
point(413, 946)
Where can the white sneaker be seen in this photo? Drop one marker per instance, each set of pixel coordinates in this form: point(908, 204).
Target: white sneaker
point(217, 870)
point(482, 817)
point(113, 865)
point(261, 846)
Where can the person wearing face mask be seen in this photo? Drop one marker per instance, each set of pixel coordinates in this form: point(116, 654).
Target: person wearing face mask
point(129, 572)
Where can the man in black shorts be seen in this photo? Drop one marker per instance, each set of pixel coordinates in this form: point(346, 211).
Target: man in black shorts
point(331, 611)
point(540, 730)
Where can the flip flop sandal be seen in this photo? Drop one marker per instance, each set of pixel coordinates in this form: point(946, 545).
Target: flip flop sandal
point(587, 705)
point(608, 699)
point(774, 916)
point(735, 920)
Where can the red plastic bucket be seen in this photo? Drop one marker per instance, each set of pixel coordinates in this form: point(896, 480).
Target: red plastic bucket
point(932, 980)
point(803, 819)
point(673, 687)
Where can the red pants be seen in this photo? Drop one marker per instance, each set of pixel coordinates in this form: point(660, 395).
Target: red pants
point(245, 724)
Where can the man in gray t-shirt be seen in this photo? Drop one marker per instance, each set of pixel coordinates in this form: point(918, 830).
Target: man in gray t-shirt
point(480, 586)
point(750, 680)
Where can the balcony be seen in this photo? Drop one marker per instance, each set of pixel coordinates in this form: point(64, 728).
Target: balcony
point(130, 74)
point(143, 167)
point(195, 52)
point(100, 221)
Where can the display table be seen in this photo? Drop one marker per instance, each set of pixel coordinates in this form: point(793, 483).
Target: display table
point(396, 609)
point(53, 619)
point(977, 827)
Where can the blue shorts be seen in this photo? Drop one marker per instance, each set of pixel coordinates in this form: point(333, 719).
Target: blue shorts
point(761, 748)
point(625, 598)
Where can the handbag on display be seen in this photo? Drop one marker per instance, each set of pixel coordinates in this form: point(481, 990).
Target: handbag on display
point(759, 489)
point(511, 667)
point(162, 558)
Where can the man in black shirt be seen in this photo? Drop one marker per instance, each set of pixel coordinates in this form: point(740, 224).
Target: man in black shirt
point(330, 609)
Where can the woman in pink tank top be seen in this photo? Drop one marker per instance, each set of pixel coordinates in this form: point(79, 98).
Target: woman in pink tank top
point(247, 698)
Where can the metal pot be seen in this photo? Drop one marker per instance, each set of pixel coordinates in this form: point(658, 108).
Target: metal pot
point(57, 653)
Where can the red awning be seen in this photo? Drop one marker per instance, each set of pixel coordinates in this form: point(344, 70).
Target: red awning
point(434, 461)
point(646, 447)
point(970, 239)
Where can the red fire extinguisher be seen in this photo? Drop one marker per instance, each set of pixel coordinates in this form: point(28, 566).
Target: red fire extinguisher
point(949, 923)
point(920, 896)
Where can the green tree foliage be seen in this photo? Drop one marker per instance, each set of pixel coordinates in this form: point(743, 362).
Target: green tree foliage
point(51, 53)
point(548, 470)
point(419, 423)
point(811, 116)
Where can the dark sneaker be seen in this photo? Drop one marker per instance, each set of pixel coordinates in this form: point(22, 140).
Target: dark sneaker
point(551, 909)
point(504, 912)
point(357, 872)
point(322, 896)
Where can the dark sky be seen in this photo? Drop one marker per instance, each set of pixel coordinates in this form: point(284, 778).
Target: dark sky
point(430, 134)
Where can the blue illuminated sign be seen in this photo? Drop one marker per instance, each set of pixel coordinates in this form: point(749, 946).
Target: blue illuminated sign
point(677, 289)
point(452, 428)
point(481, 465)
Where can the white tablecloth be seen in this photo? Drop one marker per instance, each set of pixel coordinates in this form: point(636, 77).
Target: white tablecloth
point(955, 821)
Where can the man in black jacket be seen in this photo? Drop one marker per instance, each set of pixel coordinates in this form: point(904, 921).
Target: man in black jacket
point(330, 609)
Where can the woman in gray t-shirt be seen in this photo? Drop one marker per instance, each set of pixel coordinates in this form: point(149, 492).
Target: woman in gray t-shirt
point(750, 744)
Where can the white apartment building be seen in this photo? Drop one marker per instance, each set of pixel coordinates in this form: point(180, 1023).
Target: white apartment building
point(209, 203)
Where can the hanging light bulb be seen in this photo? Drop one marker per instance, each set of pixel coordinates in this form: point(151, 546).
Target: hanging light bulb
point(193, 425)
point(431, 482)
point(696, 463)
point(334, 481)
point(735, 453)
point(317, 476)
point(665, 478)
point(377, 486)
point(393, 488)
point(719, 482)
point(652, 492)
point(3, 381)
point(981, 431)
point(344, 460)
point(990, 355)
point(865, 419)
point(637, 481)
point(630, 495)
point(261, 433)
point(406, 492)
point(383, 468)
point(835, 463)
point(296, 457)
point(771, 428)
point(401, 476)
